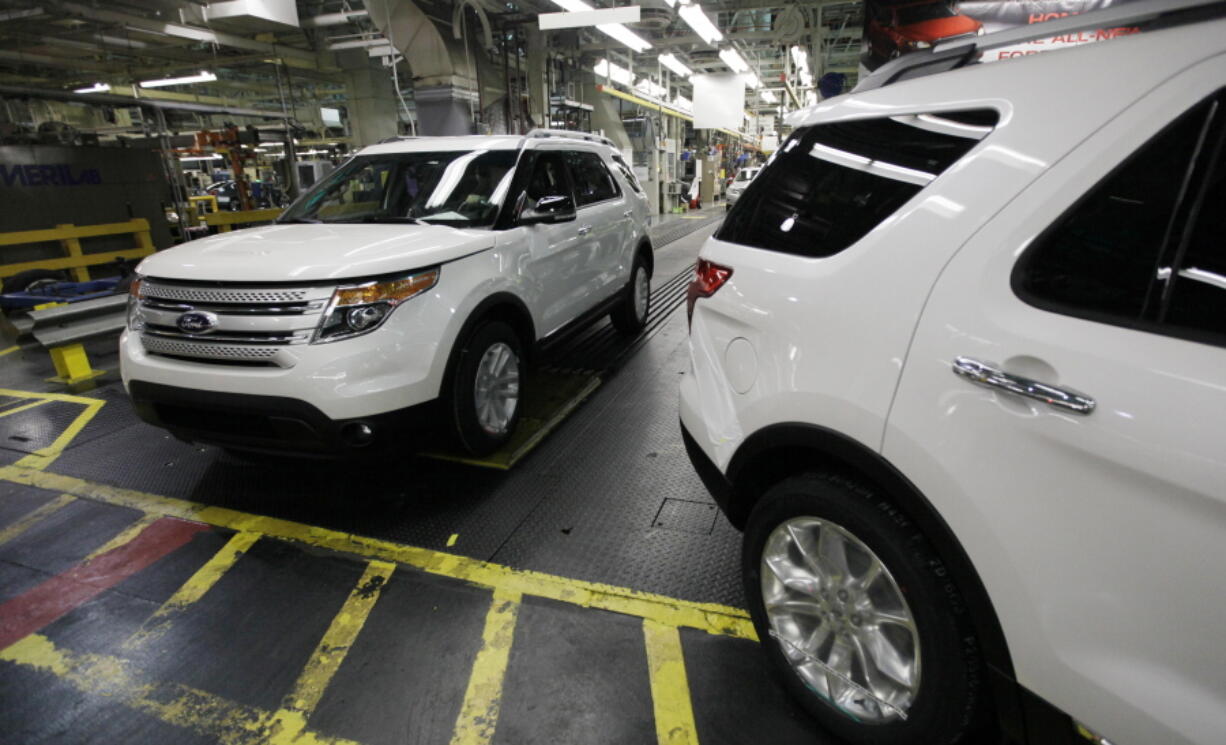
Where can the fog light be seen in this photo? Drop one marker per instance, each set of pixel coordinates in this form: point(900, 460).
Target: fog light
point(364, 317)
point(358, 434)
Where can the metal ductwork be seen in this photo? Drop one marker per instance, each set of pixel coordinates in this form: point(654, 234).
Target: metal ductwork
point(444, 77)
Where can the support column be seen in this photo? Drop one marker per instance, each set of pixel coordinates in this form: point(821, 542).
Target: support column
point(372, 98)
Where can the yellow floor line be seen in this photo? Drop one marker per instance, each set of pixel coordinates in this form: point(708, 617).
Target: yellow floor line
point(710, 617)
point(23, 407)
point(338, 639)
point(483, 699)
point(10, 350)
point(670, 689)
point(192, 590)
point(32, 518)
point(118, 680)
point(44, 457)
point(125, 536)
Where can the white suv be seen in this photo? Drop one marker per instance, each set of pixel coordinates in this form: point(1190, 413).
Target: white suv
point(737, 187)
point(959, 372)
point(405, 290)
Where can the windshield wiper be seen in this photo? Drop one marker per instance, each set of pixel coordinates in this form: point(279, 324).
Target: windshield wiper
point(391, 219)
point(298, 221)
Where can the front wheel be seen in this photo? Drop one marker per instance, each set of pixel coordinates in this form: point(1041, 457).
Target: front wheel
point(630, 315)
point(858, 615)
point(485, 395)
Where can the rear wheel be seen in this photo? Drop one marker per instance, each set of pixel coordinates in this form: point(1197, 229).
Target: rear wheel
point(630, 316)
point(485, 393)
point(858, 615)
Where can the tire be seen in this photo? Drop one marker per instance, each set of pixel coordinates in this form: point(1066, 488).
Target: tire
point(31, 279)
point(486, 388)
point(630, 315)
point(942, 690)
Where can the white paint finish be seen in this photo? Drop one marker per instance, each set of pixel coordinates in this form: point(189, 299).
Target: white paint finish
point(557, 276)
point(290, 253)
point(1100, 538)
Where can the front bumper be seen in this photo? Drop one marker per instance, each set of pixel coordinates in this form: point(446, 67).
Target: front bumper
point(277, 424)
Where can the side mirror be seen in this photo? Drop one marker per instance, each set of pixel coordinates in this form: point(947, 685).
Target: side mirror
point(549, 209)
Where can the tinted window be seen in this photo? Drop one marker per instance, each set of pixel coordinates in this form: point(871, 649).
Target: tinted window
point(593, 182)
point(1100, 260)
point(1196, 300)
point(832, 183)
point(548, 177)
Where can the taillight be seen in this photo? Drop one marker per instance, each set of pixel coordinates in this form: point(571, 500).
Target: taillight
point(708, 277)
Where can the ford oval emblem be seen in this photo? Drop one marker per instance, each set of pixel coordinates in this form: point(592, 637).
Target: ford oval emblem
point(197, 322)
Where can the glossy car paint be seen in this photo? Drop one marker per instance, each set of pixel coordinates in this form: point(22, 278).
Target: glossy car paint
point(305, 253)
point(554, 271)
point(1098, 538)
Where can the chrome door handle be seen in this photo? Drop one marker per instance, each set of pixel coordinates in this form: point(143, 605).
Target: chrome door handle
point(990, 375)
point(628, 213)
point(585, 229)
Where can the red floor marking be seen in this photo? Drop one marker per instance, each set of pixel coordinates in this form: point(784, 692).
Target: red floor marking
point(40, 605)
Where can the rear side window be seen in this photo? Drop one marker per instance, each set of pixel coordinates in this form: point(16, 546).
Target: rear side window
point(830, 184)
point(627, 173)
point(1143, 248)
point(1197, 297)
point(593, 182)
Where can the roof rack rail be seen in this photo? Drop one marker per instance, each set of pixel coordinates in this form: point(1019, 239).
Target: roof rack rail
point(398, 138)
point(541, 132)
point(961, 52)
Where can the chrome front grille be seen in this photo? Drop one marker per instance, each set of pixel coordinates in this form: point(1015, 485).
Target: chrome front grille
point(237, 295)
point(207, 350)
point(252, 324)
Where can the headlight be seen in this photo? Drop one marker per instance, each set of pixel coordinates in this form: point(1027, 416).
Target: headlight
point(136, 320)
point(920, 44)
point(360, 309)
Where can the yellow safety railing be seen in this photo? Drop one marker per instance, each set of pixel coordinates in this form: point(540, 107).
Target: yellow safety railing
point(224, 221)
point(69, 237)
point(200, 201)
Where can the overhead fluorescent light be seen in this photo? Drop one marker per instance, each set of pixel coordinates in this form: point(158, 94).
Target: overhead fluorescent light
point(580, 18)
point(671, 62)
point(200, 157)
point(615, 30)
point(733, 59)
point(95, 88)
point(751, 80)
point(768, 96)
point(698, 20)
point(614, 72)
point(203, 77)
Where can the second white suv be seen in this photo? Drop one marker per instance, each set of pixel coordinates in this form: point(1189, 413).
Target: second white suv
point(959, 372)
point(402, 294)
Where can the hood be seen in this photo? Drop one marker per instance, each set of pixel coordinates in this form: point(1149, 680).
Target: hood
point(293, 253)
point(939, 28)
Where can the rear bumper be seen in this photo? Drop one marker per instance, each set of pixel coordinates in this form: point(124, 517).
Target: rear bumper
point(277, 424)
point(708, 472)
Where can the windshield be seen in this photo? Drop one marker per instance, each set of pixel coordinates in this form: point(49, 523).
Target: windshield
point(919, 13)
point(462, 188)
point(746, 174)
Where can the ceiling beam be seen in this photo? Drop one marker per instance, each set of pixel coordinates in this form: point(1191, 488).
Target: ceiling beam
point(192, 33)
